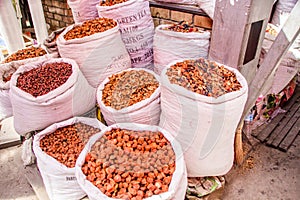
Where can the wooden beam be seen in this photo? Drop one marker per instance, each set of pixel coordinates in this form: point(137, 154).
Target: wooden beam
point(282, 43)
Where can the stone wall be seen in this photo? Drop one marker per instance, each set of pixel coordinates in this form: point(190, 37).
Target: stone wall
point(57, 13)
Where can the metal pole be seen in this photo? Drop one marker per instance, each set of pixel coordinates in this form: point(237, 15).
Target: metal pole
point(10, 28)
point(38, 19)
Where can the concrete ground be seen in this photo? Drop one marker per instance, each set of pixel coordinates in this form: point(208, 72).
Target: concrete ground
point(275, 175)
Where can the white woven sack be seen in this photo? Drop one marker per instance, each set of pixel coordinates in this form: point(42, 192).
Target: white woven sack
point(137, 29)
point(204, 126)
point(83, 10)
point(98, 55)
point(208, 6)
point(5, 104)
point(59, 180)
point(177, 187)
point(188, 2)
point(72, 98)
point(171, 45)
point(143, 112)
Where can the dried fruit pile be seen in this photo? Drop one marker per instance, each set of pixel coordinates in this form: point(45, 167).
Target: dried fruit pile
point(22, 54)
point(130, 164)
point(111, 2)
point(203, 77)
point(66, 143)
point(90, 27)
point(183, 27)
point(42, 80)
point(127, 88)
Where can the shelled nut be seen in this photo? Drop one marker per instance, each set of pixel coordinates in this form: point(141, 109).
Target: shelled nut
point(130, 164)
point(127, 88)
point(90, 27)
point(203, 77)
point(22, 54)
point(111, 2)
point(66, 143)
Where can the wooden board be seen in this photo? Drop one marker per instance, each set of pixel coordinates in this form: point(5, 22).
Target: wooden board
point(290, 138)
point(282, 131)
point(263, 132)
point(284, 126)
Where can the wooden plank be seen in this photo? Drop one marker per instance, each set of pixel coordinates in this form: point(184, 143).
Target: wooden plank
point(290, 138)
point(282, 43)
point(228, 31)
point(270, 128)
point(282, 130)
point(265, 130)
point(35, 180)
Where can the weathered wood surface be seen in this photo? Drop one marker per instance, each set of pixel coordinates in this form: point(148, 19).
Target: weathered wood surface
point(282, 131)
point(265, 130)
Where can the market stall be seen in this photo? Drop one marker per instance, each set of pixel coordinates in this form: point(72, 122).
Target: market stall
point(171, 97)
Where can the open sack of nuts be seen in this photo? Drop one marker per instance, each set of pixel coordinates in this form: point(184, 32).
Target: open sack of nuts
point(178, 41)
point(96, 46)
point(49, 91)
point(83, 10)
point(132, 95)
point(132, 161)
point(201, 105)
point(136, 26)
point(9, 66)
point(57, 149)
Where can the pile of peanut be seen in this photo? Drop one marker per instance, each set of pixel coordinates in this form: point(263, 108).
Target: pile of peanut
point(66, 143)
point(203, 77)
point(111, 2)
point(183, 27)
point(43, 79)
point(127, 88)
point(127, 164)
point(90, 27)
point(22, 54)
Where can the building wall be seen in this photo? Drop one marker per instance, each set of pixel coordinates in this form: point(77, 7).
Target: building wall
point(58, 15)
point(167, 16)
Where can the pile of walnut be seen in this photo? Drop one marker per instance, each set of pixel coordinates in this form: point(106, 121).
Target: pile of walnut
point(23, 54)
point(127, 164)
point(203, 77)
point(66, 143)
point(90, 27)
point(111, 2)
point(127, 88)
point(183, 27)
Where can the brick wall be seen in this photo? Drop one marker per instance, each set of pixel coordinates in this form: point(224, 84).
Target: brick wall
point(167, 16)
point(57, 13)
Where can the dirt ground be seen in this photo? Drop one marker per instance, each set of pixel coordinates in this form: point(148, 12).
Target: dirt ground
point(275, 175)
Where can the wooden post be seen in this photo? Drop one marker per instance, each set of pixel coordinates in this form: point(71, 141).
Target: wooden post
point(282, 43)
